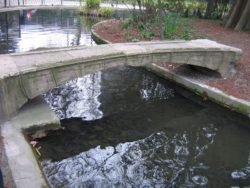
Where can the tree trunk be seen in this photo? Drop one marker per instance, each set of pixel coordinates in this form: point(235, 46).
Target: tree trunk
point(139, 4)
point(236, 13)
point(161, 19)
point(210, 8)
point(244, 19)
point(248, 25)
point(233, 12)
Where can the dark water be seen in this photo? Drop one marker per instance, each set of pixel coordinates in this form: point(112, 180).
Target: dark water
point(142, 131)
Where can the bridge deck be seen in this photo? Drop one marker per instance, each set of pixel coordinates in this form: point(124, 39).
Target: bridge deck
point(24, 76)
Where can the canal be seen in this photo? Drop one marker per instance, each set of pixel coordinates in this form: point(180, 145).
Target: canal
point(126, 127)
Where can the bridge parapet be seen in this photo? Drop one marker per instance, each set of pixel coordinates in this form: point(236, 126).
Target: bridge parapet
point(24, 76)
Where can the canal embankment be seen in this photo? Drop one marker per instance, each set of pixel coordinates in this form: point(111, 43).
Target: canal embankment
point(18, 162)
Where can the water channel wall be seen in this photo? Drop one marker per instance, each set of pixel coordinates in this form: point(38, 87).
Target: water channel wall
point(24, 76)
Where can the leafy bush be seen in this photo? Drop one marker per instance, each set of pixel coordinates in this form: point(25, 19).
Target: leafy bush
point(186, 35)
point(93, 4)
point(106, 11)
point(84, 11)
point(171, 22)
point(140, 27)
point(127, 24)
point(146, 35)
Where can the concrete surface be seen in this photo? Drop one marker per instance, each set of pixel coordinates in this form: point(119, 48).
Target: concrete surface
point(21, 160)
point(213, 94)
point(24, 76)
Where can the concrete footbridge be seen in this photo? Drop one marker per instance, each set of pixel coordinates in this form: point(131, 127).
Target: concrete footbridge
point(24, 76)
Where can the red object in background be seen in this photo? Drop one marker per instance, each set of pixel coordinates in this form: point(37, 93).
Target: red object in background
point(30, 13)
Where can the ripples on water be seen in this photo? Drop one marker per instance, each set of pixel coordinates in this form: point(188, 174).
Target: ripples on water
point(143, 132)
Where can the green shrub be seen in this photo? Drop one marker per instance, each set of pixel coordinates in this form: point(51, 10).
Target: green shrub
point(106, 11)
point(93, 4)
point(171, 22)
point(186, 35)
point(84, 11)
point(127, 24)
point(146, 35)
point(140, 26)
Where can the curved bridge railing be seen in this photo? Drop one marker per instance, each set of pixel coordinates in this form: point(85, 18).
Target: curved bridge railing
point(26, 75)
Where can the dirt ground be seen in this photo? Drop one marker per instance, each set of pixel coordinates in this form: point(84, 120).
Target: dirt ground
point(237, 85)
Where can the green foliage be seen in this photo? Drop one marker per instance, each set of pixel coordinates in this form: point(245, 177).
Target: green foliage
point(93, 4)
point(92, 9)
point(174, 5)
point(176, 27)
point(146, 34)
point(196, 8)
point(171, 22)
point(140, 26)
point(84, 11)
point(106, 11)
point(127, 24)
point(186, 35)
point(145, 30)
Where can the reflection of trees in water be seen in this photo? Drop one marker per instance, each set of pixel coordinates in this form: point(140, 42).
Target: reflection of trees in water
point(154, 90)
point(162, 159)
point(9, 31)
point(181, 150)
point(126, 89)
point(242, 174)
point(43, 29)
point(77, 98)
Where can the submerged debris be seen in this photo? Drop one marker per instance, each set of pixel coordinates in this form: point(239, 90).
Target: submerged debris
point(33, 143)
point(38, 134)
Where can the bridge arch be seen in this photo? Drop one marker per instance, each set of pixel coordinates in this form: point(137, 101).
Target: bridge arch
point(24, 76)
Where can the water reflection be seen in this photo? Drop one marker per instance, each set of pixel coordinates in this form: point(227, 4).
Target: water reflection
point(34, 29)
point(77, 98)
point(160, 160)
point(150, 90)
point(149, 135)
point(242, 174)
